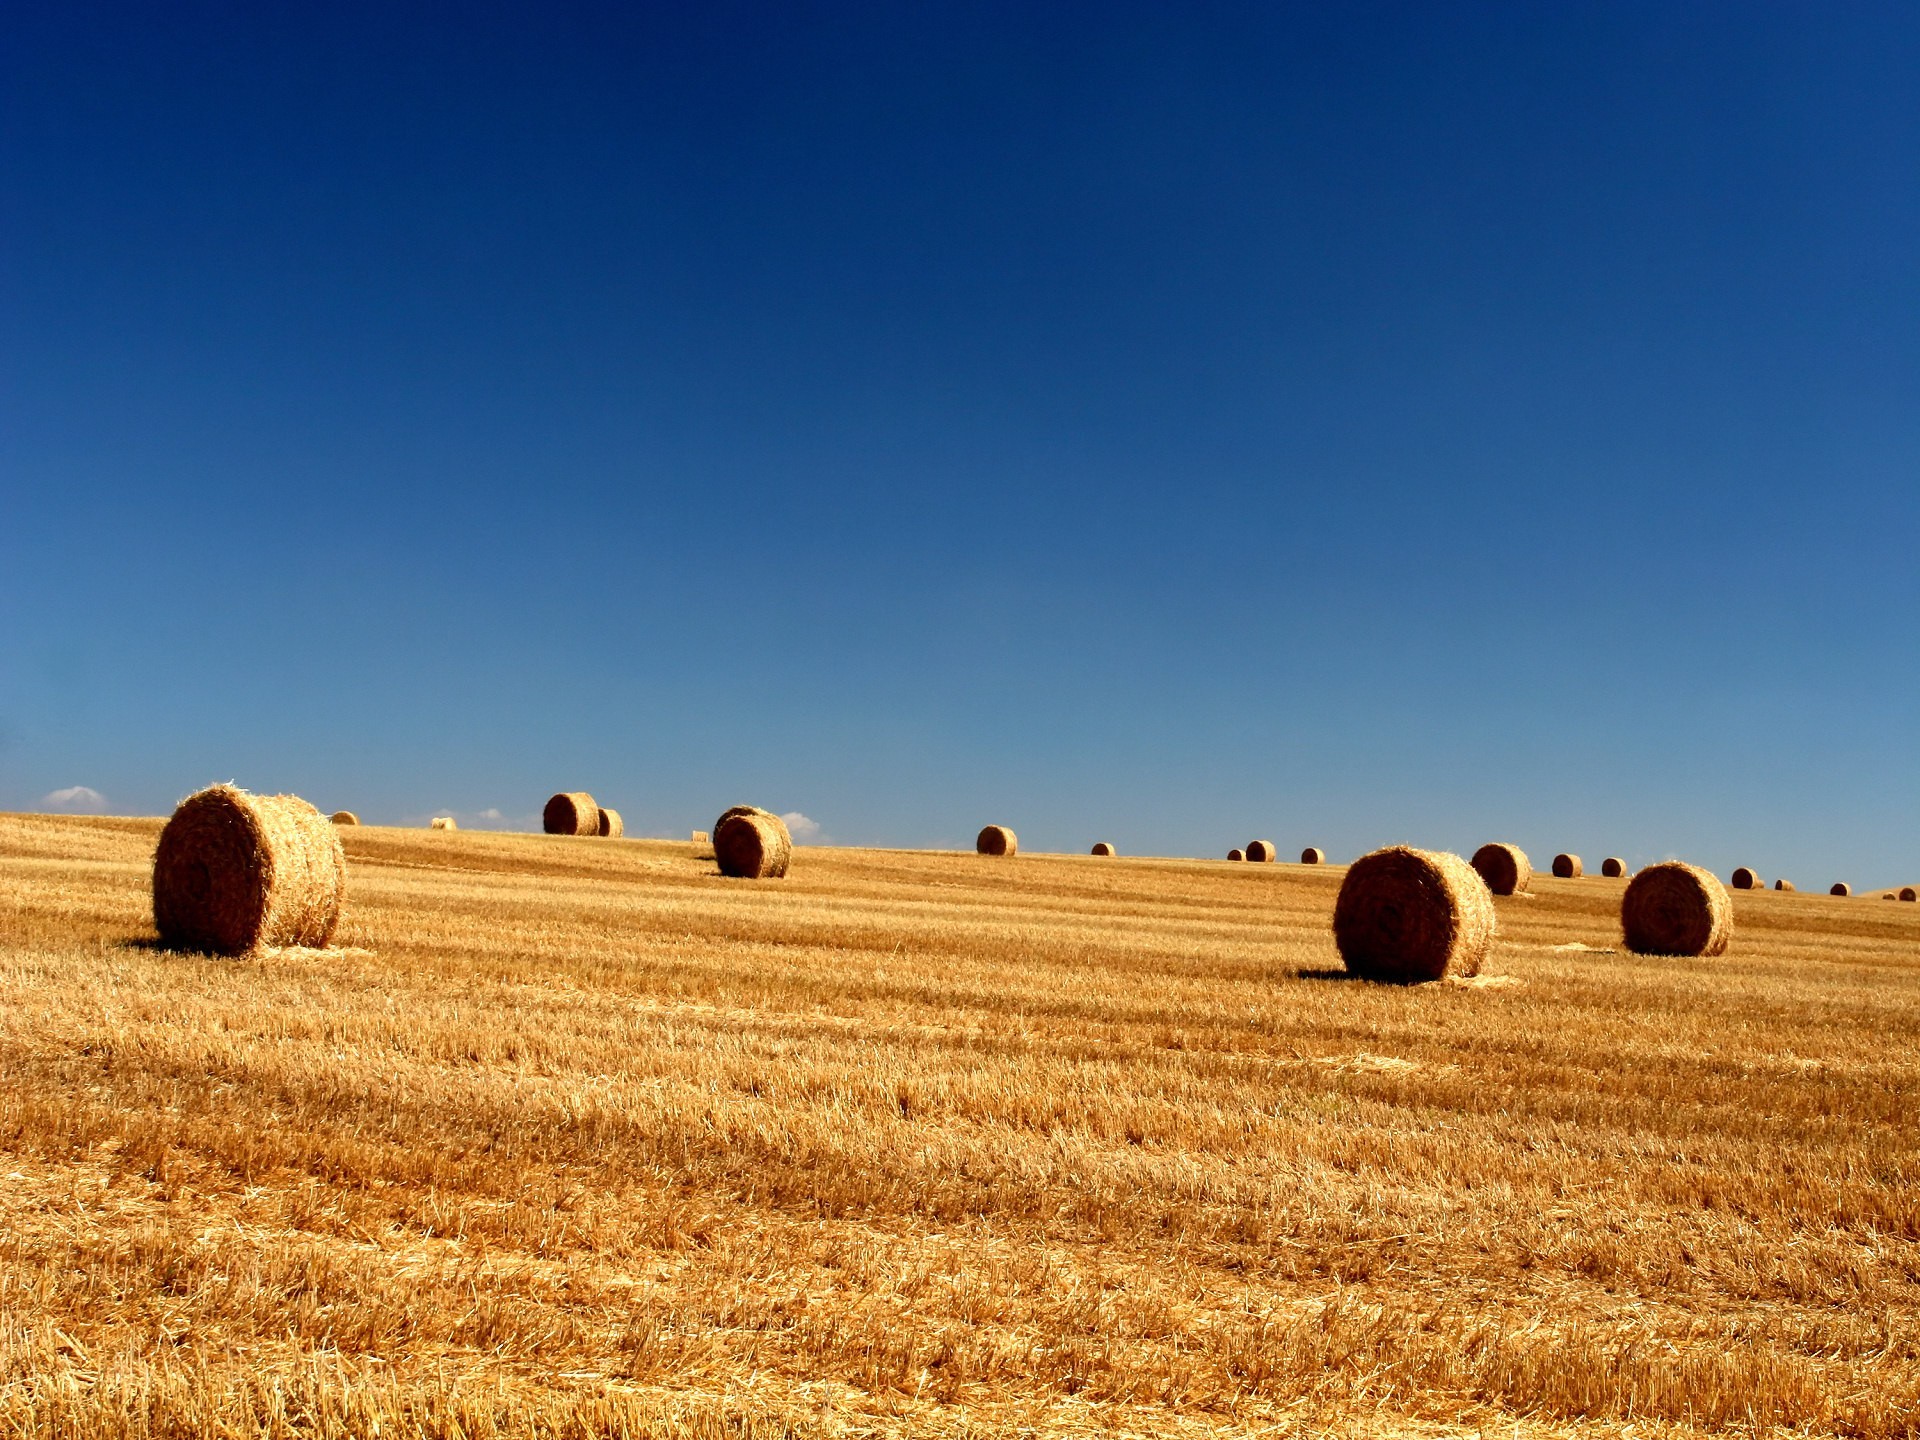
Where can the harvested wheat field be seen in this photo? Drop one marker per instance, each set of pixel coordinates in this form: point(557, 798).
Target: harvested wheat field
point(581, 1140)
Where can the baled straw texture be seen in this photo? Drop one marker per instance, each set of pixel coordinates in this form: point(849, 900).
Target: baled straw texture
point(234, 872)
point(1101, 847)
point(997, 840)
point(1505, 868)
point(1676, 909)
point(1745, 879)
point(443, 822)
point(611, 825)
point(1568, 867)
point(344, 817)
point(1840, 887)
point(1907, 892)
point(571, 812)
point(1235, 855)
point(1786, 885)
point(1313, 855)
point(753, 845)
point(1405, 916)
point(1614, 868)
point(1261, 851)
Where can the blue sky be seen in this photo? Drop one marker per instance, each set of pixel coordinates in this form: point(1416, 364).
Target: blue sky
point(1169, 425)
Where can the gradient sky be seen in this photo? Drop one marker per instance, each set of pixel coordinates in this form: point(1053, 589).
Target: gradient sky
point(1343, 424)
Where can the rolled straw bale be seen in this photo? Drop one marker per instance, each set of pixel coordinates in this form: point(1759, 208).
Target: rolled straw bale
point(997, 840)
point(1745, 879)
point(767, 815)
point(701, 837)
point(1614, 868)
point(1568, 867)
point(1840, 887)
point(1313, 855)
point(1235, 855)
point(611, 825)
point(1676, 909)
point(344, 817)
point(1101, 847)
point(235, 871)
point(1406, 915)
point(571, 812)
point(753, 845)
point(1889, 895)
point(1505, 868)
point(1786, 885)
point(1907, 892)
point(1261, 851)
point(443, 822)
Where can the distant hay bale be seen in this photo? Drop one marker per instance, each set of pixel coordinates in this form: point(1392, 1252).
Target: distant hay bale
point(1786, 885)
point(1101, 847)
point(751, 844)
point(1907, 892)
point(443, 822)
point(1567, 867)
point(1313, 855)
point(611, 825)
point(1505, 868)
point(1404, 916)
point(1676, 909)
point(1614, 868)
point(1745, 879)
point(234, 872)
point(1261, 851)
point(1840, 887)
point(344, 817)
point(997, 840)
point(571, 812)
point(701, 837)
point(1235, 855)
point(1889, 895)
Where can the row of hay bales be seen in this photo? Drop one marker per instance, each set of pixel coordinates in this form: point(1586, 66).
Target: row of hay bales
point(575, 812)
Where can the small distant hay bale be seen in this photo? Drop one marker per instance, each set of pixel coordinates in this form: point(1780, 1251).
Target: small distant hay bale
point(751, 844)
point(1405, 916)
point(234, 872)
point(1235, 855)
point(1505, 868)
point(1101, 847)
point(443, 822)
point(1568, 867)
point(611, 825)
point(1840, 887)
point(1614, 868)
point(1313, 855)
point(1889, 895)
point(344, 817)
point(1676, 909)
point(1786, 885)
point(1745, 879)
point(997, 840)
point(571, 812)
point(1261, 851)
point(1907, 892)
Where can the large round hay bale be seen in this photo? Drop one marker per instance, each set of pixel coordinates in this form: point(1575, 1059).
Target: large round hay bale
point(344, 817)
point(1261, 851)
point(1676, 909)
point(753, 845)
point(1102, 847)
point(1313, 855)
point(443, 822)
point(1786, 885)
point(1745, 879)
point(1567, 867)
point(997, 840)
point(1405, 916)
point(234, 872)
point(1614, 868)
point(1236, 855)
point(611, 825)
point(571, 812)
point(1840, 887)
point(767, 815)
point(1505, 868)
point(1907, 892)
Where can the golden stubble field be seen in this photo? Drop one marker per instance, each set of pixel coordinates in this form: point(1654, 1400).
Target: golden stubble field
point(577, 1137)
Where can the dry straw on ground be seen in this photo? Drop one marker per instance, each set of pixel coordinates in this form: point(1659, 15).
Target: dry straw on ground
point(1505, 868)
point(611, 825)
point(752, 844)
point(234, 872)
point(1406, 916)
point(1614, 868)
point(1676, 909)
point(1261, 851)
point(1313, 855)
point(1568, 867)
point(1786, 885)
point(571, 812)
point(443, 822)
point(1745, 879)
point(997, 840)
point(1840, 887)
point(1102, 847)
point(344, 817)
point(1236, 855)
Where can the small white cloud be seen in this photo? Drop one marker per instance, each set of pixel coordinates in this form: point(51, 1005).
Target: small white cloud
point(76, 800)
point(492, 812)
point(801, 826)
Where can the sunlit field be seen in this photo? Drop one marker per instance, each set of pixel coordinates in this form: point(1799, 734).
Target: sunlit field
point(577, 1137)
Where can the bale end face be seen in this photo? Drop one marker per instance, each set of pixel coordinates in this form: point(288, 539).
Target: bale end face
point(1676, 909)
point(611, 825)
point(344, 817)
point(997, 840)
point(1745, 879)
point(1786, 885)
point(571, 812)
point(1614, 868)
point(1101, 847)
point(1505, 868)
point(1840, 887)
point(1261, 851)
point(1313, 855)
point(1405, 916)
point(1567, 867)
point(1907, 892)
point(753, 846)
point(1235, 855)
point(234, 872)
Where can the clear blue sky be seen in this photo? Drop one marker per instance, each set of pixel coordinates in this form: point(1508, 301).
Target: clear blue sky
point(1173, 425)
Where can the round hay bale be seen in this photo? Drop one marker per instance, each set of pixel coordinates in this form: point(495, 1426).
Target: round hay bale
point(1567, 867)
point(1101, 847)
point(1676, 909)
point(1261, 851)
point(571, 812)
point(1404, 916)
point(234, 872)
point(1235, 855)
point(344, 817)
point(1786, 885)
point(1889, 895)
point(1505, 868)
point(1840, 887)
point(997, 840)
point(753, 845)
point(1907, 892)
point(1745, 879)
point(443, 822)
point(1313, 855)
point(611, 825)
point(1614, 868)
point(767, 815)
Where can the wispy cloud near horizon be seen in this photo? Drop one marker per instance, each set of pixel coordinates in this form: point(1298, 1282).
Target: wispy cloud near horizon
point(75, 800)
